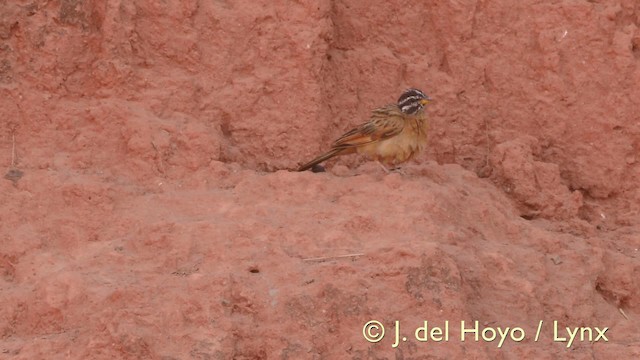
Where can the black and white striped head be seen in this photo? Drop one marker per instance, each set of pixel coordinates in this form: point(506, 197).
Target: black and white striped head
point(412, 100)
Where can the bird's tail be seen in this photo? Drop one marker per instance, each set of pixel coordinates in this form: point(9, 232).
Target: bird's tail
point(328, 155)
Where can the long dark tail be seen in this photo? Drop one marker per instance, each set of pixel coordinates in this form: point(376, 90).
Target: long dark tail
point(328, 155)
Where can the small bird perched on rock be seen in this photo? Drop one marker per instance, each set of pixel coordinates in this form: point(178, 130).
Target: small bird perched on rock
point(393, 134)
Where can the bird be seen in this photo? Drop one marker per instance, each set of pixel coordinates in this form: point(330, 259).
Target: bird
point(393, 134)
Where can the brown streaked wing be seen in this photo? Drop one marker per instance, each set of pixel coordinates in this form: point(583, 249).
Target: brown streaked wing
point(384, 123)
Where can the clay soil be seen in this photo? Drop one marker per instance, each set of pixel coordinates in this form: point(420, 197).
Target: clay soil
point(148, 210)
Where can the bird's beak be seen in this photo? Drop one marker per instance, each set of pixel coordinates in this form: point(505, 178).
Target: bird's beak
point(425, 101)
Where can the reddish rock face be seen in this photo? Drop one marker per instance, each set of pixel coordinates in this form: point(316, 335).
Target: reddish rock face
point(147, 210)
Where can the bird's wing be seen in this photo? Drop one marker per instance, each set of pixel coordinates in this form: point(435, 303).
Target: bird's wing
point(384, 123)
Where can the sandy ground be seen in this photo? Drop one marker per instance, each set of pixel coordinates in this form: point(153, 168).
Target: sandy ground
point(148, 212)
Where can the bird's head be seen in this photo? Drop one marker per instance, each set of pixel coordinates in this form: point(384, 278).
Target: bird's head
point(412, 100)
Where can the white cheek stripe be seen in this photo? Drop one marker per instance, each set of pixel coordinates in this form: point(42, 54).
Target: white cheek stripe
point(410, 99)
point(407, 108)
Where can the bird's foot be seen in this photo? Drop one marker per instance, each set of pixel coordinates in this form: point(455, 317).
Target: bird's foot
point(396, 169)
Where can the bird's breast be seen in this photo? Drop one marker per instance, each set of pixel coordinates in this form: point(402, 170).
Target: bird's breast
point(400, 148)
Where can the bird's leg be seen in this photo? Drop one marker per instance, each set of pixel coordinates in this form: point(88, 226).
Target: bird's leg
point(396, 169)
point(383, 167)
